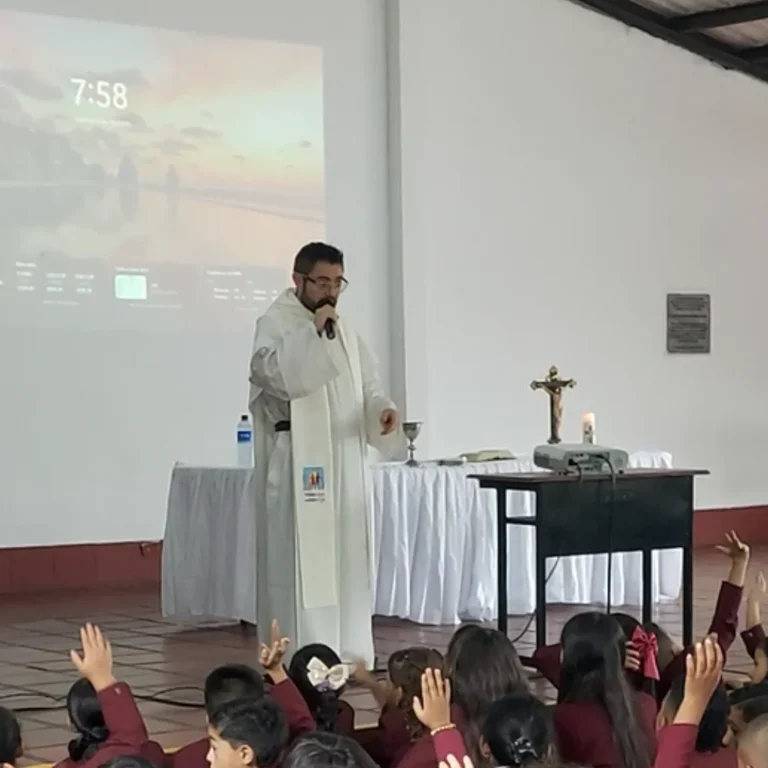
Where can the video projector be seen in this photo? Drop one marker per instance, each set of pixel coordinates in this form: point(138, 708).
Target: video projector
point(566, 458)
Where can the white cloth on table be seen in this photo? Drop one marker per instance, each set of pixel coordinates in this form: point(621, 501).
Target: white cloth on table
point(435, 548)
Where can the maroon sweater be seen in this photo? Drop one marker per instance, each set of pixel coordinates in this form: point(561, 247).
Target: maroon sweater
point(127, 732)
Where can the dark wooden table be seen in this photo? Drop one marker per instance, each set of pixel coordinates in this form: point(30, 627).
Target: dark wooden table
point(637, 510)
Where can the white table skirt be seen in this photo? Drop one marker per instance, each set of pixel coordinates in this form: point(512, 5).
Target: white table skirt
point(434, 548)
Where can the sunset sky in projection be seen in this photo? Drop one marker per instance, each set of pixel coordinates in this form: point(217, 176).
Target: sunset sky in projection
point(226, 112)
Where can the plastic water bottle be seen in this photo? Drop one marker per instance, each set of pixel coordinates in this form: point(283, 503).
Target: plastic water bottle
point(244, 443)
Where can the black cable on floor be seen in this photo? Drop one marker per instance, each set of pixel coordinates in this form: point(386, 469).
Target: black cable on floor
point(60, 701)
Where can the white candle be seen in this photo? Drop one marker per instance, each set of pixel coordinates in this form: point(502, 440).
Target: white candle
point(588, 428)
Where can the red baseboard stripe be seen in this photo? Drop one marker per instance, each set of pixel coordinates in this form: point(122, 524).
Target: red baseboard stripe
point(136, 563)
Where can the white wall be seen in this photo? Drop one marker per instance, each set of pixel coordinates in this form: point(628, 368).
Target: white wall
point(560, 175)
point(91, 424)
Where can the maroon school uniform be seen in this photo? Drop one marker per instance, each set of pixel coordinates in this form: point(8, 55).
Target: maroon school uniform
point(449, 742)
point(127, 732)
point(585, 735)
point(725, 622)
point(345, 719)
point(294, 709)
point(753, 638)
point(389, 741)
point(677, 749)
point(421, 754)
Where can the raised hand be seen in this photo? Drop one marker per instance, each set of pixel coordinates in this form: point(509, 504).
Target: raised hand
point(736, 549)
point(738, 552)
point(452, 762)
point(703, 673)
point(434, 707)
point(95, 664)
point(271, 654)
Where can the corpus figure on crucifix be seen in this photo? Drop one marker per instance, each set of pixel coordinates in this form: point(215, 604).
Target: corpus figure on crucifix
point(553, 385)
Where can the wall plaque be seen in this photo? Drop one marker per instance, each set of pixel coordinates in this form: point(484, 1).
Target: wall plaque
point(689, 319)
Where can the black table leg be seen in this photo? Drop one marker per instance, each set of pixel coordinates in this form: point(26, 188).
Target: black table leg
point(541, 594)
point(687, 595)
point(501, 558)
point(647, 585)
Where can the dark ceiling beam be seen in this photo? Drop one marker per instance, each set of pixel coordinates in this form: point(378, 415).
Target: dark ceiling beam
point(634, 15)
point(720, 17)
point(755, 55)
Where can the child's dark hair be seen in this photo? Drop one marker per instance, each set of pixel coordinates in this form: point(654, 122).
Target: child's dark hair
point(10, 737)
point(323, 702)
point(714, 723)
point(753, 708)
point(128, 761)
point(593, 671)
point(483, 667)
point(519, 731)
point(87, 719)
point(405, 669)
point(327, 750)
point(255, 723)
point(753, 691)
point(229, 682)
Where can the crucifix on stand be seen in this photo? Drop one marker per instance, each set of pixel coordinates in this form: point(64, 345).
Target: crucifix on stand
point(553, 385)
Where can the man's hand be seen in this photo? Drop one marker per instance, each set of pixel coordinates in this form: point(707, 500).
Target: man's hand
point(389, 420)
point(323, 314)
point(95, 665)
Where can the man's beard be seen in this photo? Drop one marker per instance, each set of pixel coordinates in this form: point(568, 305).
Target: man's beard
point(313, 306)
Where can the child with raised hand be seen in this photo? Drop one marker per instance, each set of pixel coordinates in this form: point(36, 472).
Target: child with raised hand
point(10, 739)
point(754, 634)
point(670, 657)
point(398, 725)
point(710, 750)
point(677, 741)
point(433, 709)
point(238, 681)
point(113, 726)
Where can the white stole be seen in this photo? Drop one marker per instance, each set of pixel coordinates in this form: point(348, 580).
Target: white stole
point(314, 486)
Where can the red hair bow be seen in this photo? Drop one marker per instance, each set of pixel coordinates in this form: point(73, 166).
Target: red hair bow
point(646, 644)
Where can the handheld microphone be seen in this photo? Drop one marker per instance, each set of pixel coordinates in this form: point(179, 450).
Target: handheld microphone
point(330, 326)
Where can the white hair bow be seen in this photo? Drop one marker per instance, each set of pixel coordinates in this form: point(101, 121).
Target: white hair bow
point(320, 675)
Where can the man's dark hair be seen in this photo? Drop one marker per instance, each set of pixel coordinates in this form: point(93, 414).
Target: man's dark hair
point(314, 253)
point(714, 723)
point(327, 750)
point(232, 681)
point(255, 723)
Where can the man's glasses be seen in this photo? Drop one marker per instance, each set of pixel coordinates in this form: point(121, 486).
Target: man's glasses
point(326, 285)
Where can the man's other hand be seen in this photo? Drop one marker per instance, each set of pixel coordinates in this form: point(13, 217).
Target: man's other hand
point(389, 420)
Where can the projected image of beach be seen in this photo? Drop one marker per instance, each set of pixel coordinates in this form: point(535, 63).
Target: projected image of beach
point(150, 169)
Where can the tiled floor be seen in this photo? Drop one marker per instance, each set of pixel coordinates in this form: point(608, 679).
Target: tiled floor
point(165, 660)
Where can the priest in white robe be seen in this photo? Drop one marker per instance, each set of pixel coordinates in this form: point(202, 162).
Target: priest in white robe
point(317, 404)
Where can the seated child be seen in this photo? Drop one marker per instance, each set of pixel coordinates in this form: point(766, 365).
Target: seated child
point(398, 725)
point(327, 750)
point(321, 678)
point(247, 733)
point(711, 736)
point(519, 731)
point(238, 681)
point(102, 711)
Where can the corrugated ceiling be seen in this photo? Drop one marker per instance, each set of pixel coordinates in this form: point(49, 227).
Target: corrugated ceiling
point(733, 33)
